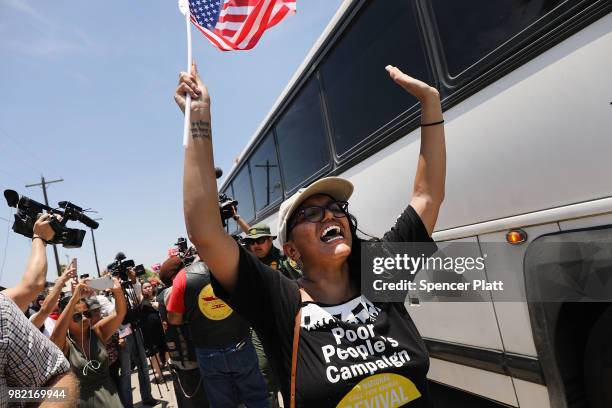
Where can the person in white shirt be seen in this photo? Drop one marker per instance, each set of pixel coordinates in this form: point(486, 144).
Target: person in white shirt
point(48, 314)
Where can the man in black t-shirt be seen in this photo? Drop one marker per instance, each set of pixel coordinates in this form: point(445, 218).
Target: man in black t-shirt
point(259, 241)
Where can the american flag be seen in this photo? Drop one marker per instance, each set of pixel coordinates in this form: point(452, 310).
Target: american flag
point(237, 24)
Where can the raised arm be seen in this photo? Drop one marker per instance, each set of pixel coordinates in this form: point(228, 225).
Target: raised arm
point(50, 302)
point(109, 325)
point(35, 276)
point(428, 189)
point(244, 226)
point(200, 195)
point(61, 327)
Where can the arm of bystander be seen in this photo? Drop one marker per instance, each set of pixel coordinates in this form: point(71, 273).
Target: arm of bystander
point(38, 318)
point(34, 278)
point(109, 325)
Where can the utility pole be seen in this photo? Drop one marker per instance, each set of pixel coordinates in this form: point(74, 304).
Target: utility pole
point(43, 183)
point(94, 246)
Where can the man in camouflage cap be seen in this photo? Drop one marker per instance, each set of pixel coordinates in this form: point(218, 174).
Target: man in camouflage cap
point(259, 241)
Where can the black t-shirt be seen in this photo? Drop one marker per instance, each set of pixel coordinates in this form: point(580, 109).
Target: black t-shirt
point(353, 352)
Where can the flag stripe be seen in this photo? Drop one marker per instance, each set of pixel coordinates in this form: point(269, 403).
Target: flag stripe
point(280, 14)
point(258, 28)
point(250, 21)
point(237, 24)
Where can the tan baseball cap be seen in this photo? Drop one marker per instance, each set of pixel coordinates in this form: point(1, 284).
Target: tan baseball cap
point(336, 187)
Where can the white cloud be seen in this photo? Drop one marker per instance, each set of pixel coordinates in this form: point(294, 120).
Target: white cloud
point(28, 32)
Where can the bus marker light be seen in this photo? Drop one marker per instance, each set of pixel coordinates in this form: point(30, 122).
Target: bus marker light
point(516, 236)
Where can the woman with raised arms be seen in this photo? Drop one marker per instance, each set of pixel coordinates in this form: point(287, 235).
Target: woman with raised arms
point(327, 343)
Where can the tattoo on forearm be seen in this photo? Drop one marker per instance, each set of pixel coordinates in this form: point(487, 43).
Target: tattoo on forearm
point(200, 128)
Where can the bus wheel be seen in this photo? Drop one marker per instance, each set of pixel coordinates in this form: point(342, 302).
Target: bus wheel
point(598, 362)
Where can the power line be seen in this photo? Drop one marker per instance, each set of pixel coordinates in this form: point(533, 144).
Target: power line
point(11, 175)
point(22, 147)
point(19, 161)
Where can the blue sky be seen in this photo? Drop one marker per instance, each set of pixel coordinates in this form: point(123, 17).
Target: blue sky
point(87, 96)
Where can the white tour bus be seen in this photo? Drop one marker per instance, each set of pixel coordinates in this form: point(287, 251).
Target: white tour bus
point(526, 89)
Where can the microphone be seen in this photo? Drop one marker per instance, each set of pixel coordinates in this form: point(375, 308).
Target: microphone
point(218, 172)
point(120, 256)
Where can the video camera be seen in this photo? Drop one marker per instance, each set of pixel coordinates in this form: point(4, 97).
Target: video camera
point(121, 265)
point(28, 211)
point(185, 252)
point(226, 203)
point(120, 268)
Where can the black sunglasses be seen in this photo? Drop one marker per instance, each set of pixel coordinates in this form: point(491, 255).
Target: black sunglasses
point(259, 241)
point(77, 317)
point(316, 213)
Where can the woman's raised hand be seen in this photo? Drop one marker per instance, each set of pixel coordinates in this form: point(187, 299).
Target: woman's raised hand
point(413, 86)
point(192, 84)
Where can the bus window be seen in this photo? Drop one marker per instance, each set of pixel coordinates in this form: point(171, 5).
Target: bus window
point(359, 94)
point(301, 136)
point(242, 193)
point(469, 30)
point(265, 174)
point(570, 266)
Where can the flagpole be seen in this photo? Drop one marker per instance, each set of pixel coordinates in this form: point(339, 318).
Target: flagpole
point(184, 7)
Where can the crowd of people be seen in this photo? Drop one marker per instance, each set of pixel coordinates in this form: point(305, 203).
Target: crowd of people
point(238, 320)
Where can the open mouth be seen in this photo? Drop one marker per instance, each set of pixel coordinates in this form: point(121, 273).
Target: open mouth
point(331, 234)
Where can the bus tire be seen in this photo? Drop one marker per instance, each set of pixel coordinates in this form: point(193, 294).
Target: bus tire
point(598, 362)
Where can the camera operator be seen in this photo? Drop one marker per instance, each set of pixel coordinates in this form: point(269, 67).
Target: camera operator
point(27, 357)
point(222, 340)
point(185, 370)
point(133, 349)
point(34, 278)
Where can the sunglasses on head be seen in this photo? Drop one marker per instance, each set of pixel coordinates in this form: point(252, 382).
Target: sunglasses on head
point(258, 241)
point(77, 317)
point(316, 213)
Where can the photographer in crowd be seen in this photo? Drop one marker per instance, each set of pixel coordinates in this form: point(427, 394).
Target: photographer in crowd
point(27, 357)
point(84, 344)
point(35, 276)
point(132, 344)
point(308, 325)
point(186, 377)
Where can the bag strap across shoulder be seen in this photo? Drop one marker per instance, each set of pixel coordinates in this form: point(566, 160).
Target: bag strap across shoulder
point(296, 341)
